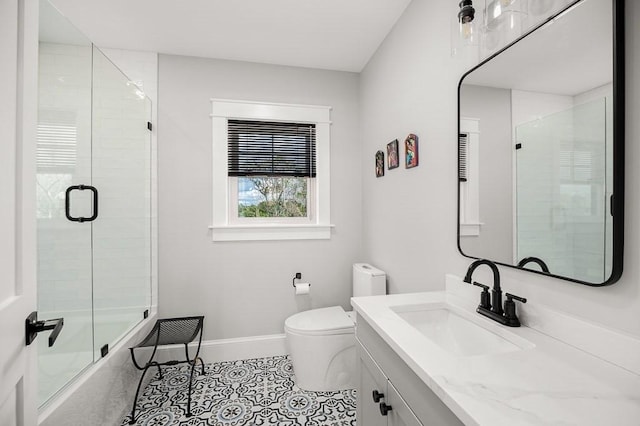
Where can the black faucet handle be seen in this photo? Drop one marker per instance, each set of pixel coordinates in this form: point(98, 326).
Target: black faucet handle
point(514, 297)
point(510, 309)
point(484, 287)
point(485, 299)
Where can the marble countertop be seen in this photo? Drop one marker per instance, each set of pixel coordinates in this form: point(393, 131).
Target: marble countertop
point(547, 383)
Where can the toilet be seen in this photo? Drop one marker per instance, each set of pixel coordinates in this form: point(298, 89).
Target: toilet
point(321, 342)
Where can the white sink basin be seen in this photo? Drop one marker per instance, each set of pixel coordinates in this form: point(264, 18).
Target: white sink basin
point(458, 332)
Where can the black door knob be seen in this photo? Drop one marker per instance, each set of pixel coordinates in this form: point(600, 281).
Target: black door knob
point(377, 396)
point(384, 408)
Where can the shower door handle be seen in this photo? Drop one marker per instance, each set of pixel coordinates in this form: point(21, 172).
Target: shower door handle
point(67, 203)
point(33, 327)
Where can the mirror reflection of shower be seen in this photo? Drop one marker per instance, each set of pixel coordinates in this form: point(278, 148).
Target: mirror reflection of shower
point(563, 186)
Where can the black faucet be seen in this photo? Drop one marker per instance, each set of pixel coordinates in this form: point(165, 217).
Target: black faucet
point(493, 308)
point(496, 292)
point(533, 259)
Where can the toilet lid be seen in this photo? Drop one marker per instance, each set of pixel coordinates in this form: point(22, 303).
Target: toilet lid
point(333, 320)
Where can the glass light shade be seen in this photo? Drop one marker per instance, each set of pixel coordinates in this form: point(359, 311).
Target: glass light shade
point(468, 33)
point(503, 22)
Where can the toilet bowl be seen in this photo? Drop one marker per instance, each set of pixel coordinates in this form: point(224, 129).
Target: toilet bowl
point(321, 342)
point(322, 347)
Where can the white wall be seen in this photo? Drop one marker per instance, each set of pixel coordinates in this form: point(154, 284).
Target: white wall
point(410, 86)
point(244, 288)
point(410, 216)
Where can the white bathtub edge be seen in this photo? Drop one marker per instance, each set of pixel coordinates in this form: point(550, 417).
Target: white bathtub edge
point(95, 384)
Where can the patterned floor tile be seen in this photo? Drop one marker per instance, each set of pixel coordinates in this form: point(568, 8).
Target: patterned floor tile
point(252, 392)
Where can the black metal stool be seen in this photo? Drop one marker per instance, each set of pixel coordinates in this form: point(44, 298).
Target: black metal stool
point(170, 331)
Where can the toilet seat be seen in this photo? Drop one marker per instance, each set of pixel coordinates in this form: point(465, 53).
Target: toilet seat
point(321, 322)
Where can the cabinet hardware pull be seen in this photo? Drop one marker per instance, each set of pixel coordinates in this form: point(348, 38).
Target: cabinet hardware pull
point(384, 408)
point(377, 396)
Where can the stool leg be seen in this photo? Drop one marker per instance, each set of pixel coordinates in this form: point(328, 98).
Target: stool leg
point(202, 364)
point(135, 399)
point(159, 370)
point(193, 366)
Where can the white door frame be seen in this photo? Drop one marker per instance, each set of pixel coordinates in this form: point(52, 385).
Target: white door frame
point(18, 117)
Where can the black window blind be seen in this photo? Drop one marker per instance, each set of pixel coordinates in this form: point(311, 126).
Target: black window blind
point(265, 148)
point(463, 155)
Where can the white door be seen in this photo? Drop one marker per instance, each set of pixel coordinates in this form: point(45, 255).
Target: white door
point(18, 104)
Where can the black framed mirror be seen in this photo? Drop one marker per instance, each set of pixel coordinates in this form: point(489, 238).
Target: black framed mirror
point(541, 149)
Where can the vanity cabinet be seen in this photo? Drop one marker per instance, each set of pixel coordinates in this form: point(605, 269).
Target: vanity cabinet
point(381, 370)
point(374, 389)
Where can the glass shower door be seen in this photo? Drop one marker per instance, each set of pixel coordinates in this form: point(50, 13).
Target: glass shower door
point(63, 160)
point(122, 172)
point(92, 131)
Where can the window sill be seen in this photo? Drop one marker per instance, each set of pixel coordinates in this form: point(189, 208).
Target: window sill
point(270, 232)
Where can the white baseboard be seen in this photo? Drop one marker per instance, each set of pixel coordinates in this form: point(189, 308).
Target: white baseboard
point(228, 349)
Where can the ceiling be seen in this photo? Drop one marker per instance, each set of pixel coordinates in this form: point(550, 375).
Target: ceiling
point(327, 34)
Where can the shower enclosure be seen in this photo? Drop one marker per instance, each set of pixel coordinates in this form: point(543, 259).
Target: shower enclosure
point(564, 183)
point(93, 201)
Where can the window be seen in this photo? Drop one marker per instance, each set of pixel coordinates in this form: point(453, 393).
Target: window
point(271, 167)
point(270, 171)
point(468, 176)
point(56, 160)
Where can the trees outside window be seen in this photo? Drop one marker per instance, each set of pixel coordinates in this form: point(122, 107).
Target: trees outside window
point(272, 196)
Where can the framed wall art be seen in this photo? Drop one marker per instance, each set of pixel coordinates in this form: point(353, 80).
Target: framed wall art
point(393, 157)
point(411, 151)
point(379, 163)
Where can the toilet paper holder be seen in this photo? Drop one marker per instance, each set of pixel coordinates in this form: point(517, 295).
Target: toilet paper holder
point(298, 276)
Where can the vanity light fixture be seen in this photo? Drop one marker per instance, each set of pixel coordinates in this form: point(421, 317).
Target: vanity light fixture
point(465, 18)
point(496, 13)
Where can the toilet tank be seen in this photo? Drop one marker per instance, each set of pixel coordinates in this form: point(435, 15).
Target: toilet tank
point(368, 281)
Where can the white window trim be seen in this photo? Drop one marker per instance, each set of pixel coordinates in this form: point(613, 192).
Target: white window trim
point(470, 191)
point(222, 227)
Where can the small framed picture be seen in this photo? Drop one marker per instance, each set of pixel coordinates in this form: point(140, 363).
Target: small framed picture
point(393, 158)
point(379, 164)
point(411, 151)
